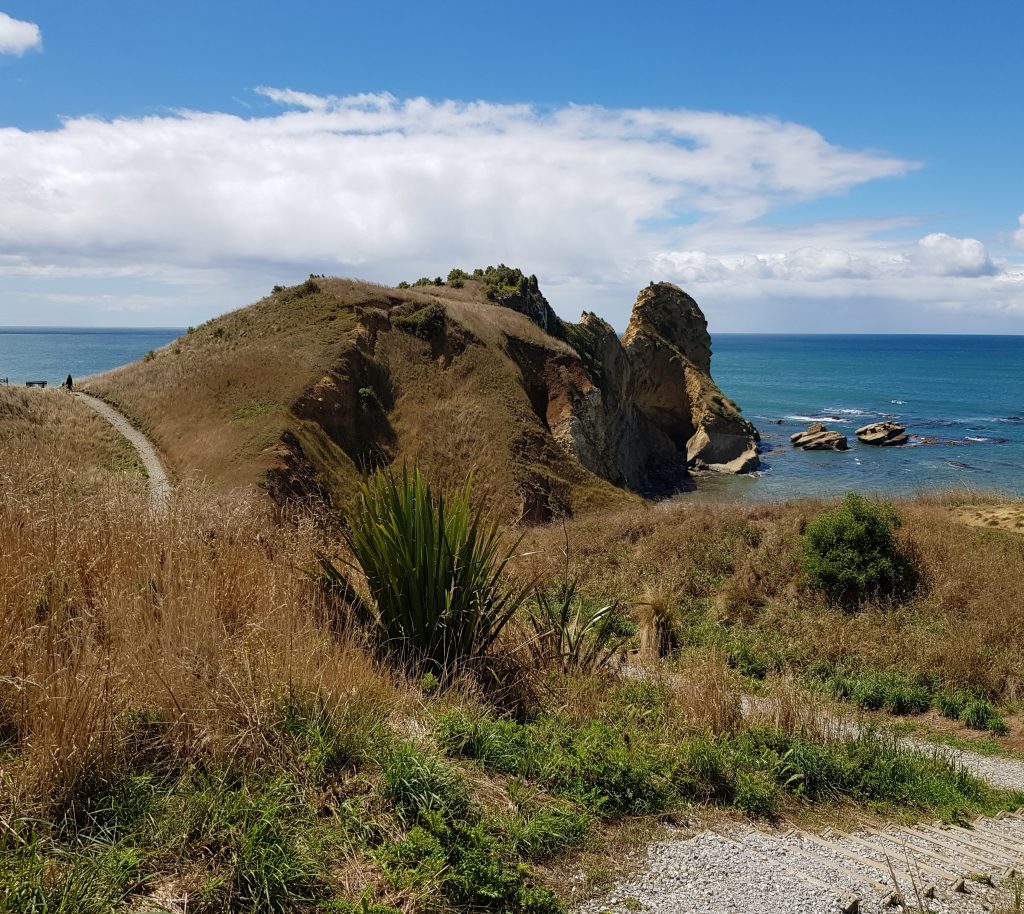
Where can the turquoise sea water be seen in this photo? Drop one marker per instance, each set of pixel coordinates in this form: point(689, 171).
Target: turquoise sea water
point(51, 354)
point(961, 397)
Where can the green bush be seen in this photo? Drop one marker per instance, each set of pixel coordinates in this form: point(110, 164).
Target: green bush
point(403, 285)
point(852, 554)
point(426, 323)
point(436, 570)
point(423, 281)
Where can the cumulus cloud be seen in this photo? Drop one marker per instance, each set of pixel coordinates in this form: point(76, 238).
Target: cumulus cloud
point(595, 200)
point(17, 37)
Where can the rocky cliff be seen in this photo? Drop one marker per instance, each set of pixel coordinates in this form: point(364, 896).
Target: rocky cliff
point(643, 410)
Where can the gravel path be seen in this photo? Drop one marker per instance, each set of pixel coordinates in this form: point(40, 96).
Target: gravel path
point(741, 870)
point(159, 483)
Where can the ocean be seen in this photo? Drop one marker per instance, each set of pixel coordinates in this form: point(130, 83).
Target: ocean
point(51, 354)
point(961, 398)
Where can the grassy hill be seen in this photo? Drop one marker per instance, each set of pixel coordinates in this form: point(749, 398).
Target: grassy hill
point(311, 386)
point(193, 719)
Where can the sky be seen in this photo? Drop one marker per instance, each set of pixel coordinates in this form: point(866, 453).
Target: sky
point(795, 166)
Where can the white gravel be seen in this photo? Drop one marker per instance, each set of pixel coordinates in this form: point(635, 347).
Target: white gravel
point(749, 871)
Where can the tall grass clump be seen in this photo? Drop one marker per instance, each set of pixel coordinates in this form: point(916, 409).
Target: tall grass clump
point(851, 552)
point(435, 567)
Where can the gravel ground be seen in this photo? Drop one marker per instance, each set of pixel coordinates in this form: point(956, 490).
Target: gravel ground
point(748, 871)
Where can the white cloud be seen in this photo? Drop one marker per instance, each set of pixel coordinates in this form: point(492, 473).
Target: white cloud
point(596, 201)
point(17, 37)
point(1018, 236)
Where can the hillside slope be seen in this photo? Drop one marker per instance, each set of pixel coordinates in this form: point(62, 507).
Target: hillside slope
point(308, 388)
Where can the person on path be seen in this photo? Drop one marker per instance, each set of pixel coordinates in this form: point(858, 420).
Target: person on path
point(68, 383)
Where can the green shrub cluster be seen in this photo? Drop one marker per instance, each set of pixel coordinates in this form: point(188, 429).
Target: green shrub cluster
point(427, 322)
point(901, 694)
point(851, 553)
point(457, 278)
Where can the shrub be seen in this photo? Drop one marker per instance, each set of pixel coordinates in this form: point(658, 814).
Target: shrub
point(852, 554)
point(369, 399)
point(423, 281)
point(426, 323)
point(403, 285)
point(309, 287)
point(435, 568)
point(457, 278)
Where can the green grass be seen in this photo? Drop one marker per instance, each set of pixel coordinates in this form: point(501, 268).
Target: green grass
point(614, 769)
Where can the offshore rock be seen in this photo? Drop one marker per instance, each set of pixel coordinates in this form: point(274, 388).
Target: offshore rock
point(819, 438)
point(883, 434)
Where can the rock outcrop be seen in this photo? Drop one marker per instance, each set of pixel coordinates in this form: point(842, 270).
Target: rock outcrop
point(883, 434)
point(642, 411)
point(819, 438)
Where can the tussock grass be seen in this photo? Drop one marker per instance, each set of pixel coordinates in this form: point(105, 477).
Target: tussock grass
point(736, 582)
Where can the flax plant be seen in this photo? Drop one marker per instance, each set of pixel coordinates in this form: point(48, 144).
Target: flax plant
point(435, 567)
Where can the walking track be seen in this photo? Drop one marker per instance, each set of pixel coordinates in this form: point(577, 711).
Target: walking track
point(752, 869)
point(159, 482)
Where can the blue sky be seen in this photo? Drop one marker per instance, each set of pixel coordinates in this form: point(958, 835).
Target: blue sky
point(796, 166)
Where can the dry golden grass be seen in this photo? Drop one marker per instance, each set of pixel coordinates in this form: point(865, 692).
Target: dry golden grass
point(736, 564)
point(50, 441)
point(200, 621)
point(218, 400)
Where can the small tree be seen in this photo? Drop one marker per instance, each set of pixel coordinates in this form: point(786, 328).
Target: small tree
point(851, 552)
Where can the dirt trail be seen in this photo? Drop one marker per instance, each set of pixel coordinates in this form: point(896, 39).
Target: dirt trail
point(159, 482)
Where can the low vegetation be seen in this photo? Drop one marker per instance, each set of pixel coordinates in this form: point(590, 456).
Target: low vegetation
point(428, 715)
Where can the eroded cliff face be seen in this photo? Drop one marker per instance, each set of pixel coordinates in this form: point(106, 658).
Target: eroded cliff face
point(642, 411)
